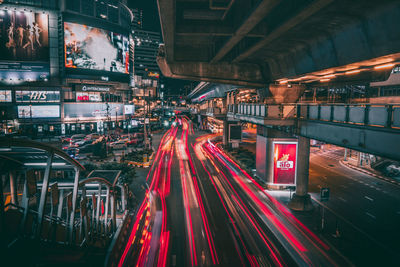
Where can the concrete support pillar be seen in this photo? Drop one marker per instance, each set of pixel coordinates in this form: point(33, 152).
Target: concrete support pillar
point(360, 159)
point(345, 154)
point(301, 200)
point(13, 187)
point(225, 133)
point(43, 194)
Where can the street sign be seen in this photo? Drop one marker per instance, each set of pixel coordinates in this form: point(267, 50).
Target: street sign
point(325, 192)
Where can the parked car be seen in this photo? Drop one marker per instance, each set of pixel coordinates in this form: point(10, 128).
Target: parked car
point(121, 144)
point(83, 142)
point(93, 136)
point(132, 142)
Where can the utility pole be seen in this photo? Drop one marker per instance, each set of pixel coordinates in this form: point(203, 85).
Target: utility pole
point(146, 141)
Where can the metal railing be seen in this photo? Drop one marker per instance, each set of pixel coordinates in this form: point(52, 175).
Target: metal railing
point(287, 111)
point(378, 115)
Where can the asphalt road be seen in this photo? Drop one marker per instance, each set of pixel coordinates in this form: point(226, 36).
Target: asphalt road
point(201, 209)
point(370, 206)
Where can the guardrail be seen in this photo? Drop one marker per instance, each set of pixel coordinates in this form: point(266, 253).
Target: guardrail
point(287, 111)
point(378, 115)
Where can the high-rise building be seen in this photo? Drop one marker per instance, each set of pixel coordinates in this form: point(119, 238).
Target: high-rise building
point(137, 18)
point(51, 89)
point(146, 70)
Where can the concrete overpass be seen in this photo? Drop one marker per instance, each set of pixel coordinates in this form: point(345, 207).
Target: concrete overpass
point(256, 43)
point(282, 48)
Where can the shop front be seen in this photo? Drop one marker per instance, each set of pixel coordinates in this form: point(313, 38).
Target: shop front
point(92, 117)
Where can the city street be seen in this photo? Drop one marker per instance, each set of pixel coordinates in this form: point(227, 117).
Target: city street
point(202, 209)
point(370, 205)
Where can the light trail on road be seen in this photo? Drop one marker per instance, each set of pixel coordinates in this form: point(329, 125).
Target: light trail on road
point(256, 229)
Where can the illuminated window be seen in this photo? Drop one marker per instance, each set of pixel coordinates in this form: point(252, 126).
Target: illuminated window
point(5, 96)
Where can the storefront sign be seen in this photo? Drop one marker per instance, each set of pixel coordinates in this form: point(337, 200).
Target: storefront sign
point(37, 96)
point(88, 97)
point(285, 157)
point(92, 88)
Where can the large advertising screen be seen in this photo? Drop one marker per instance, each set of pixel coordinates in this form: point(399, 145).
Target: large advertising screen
point(92, 48)
point(24, 46)
point(42, 111)
point(93, 110)
point(285, 159)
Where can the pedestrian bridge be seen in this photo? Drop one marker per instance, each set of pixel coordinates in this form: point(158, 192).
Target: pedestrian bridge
point(50, 211)
point(369, 128)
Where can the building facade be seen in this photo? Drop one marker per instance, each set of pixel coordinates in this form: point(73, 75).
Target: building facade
point(146, 70)
point(65, 66)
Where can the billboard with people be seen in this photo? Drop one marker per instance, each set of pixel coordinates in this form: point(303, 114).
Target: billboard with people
point(24, 36)
point(93, 48)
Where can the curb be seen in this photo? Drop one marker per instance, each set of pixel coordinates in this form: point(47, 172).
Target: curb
point(348, 165)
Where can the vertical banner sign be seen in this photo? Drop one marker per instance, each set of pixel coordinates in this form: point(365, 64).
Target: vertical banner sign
point(285, 162)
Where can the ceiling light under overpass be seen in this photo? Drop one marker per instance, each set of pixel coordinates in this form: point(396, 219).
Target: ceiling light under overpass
point(384, 66)
point(44, 164)
point(350, 72)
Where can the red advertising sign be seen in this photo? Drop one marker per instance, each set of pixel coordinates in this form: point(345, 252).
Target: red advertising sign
point(285, 157)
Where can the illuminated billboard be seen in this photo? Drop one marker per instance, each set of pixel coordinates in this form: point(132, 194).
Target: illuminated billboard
point(5, 96)
point(24, 46)
point(285, 162)
point(93, 110)
point(38, 111)
point(37, 96)
point(129, 109)
point(95, 49)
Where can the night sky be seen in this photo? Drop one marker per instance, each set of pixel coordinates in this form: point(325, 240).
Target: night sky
point(151, 22)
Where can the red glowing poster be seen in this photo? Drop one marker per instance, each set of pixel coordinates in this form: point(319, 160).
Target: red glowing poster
point(285, 157)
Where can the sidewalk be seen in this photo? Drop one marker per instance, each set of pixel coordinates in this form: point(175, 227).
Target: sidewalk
point(352, 163)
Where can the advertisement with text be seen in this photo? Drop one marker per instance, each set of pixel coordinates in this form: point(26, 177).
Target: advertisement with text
point(285, 158)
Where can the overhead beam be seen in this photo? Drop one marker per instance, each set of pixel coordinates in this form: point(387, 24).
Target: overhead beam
point(252, 20)
point(294, 21)
point(203, 29)
point(236, 74)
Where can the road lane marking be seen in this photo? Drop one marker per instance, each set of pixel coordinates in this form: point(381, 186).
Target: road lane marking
point(342, 199)
point(370, 215)
point(343, 186)
point(370, 199)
